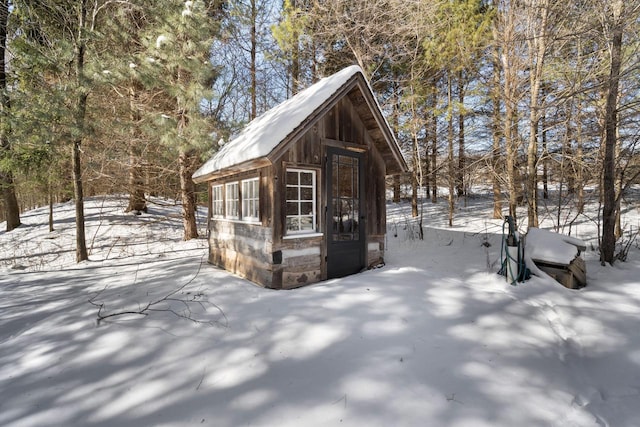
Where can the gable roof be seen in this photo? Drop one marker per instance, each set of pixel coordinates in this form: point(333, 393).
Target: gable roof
point(263, 134)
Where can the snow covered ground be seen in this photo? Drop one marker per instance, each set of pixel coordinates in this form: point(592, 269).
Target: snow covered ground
point(434, 338)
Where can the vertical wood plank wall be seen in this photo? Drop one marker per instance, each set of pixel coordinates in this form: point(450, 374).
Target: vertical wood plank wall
point(260, 252)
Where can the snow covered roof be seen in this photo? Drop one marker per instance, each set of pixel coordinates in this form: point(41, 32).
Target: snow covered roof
point(544, 245)
point(262, 135)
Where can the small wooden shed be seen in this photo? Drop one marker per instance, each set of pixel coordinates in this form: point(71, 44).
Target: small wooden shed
point(299, 195)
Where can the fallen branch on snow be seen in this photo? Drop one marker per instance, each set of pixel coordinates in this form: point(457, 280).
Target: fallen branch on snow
point(153, 306)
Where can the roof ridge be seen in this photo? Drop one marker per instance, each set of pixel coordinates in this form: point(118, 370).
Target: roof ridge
point(266, 131)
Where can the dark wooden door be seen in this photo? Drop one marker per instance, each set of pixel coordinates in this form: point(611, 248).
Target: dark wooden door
point(345, 219)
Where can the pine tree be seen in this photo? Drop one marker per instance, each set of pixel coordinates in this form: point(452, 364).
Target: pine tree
point(291, 34)
point(59, 67)
point(178, 66)
point(53, 40)
point(7, 185)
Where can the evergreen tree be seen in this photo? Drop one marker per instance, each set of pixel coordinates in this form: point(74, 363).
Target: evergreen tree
point(296, 44)
point(7, 185)
point(53, 41)
point(61, 63)
point(178, 67)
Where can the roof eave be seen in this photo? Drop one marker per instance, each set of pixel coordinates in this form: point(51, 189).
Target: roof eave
point(383, 125)
point(231, 170)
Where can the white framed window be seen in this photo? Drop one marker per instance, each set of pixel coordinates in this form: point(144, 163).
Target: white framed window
point(301, 201)
point(232, 200)
point(251, 199)
point(217, 201)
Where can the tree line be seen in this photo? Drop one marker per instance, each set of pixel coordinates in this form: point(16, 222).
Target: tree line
point(104, 96)
point(531, 93)
point(528, 96)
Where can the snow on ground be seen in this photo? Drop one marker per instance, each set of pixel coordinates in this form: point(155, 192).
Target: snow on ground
point(434, 338)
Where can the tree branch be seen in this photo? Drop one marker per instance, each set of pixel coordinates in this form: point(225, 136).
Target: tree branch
point(152, 306)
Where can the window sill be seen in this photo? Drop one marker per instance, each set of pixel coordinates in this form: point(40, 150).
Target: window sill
point(236, 220)
point(302, 236)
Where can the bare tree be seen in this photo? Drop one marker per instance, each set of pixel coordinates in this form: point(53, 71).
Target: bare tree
point(510, 45)
point(496, 124)
point(614, 24)
point(537, 40)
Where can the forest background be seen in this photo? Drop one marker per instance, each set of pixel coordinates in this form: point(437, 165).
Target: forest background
point(523, 97)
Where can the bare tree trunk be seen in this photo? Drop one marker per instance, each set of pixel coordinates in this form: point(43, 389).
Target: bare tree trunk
point(567, 154)
point(254, 48)
point(497, 188)
point(7, 185)
point(545, 161)
point(450, 160)
point(545, 152)
point(512, 152)
point(507, 41)
point(537, 42)
point(81, 243)
point(433, 131)
point(396, 128)
point(137, 200)
point(414, 193)
point(511, 146)
point(496, 133)
point(396, 189)
point(427, 171)
point(50, 197)
point(295, 59)
point(187, 191)
point(80, 114)
point(434, 171)
point(607, 247)
point(10, 201)
point(460, 181)
point(579, 160)
point(619, 189)
point(417, 172)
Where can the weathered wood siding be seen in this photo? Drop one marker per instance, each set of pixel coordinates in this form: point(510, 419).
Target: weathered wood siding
point(242, 248)
point(261, 252)
point(341, 126)
point(245, 248)
point(376, 203)
point(375, 251)
point(302, 261)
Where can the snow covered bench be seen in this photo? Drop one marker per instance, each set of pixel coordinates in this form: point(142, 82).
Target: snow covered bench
point(556, 255)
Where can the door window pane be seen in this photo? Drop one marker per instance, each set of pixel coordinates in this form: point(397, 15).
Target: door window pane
point(345, 206)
